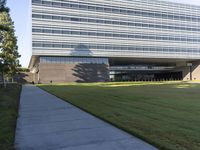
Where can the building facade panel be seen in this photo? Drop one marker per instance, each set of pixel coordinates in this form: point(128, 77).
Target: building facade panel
point(73, 72)
point(113, 16)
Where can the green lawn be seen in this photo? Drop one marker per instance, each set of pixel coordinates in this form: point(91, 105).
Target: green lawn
point(9, 99)
point(166, 115)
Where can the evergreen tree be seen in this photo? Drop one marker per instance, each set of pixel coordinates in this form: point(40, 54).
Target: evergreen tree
point(8, 43)
point(3, 9)
point(2, 5)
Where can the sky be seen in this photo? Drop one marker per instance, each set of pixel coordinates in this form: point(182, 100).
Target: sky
point(21, 15)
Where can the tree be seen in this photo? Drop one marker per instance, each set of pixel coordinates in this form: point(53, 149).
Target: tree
point(3, 9)
point(8, 43)
point(2, 4)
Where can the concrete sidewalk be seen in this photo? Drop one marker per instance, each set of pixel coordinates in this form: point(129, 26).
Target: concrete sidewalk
point(47, 123)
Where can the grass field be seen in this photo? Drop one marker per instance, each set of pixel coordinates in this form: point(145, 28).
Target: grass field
point(166, 115)
point(9, 99)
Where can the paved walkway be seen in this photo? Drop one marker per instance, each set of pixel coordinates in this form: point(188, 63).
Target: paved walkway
point(47, 123)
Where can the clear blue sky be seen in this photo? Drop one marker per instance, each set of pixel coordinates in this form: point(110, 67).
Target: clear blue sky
point(21, 15)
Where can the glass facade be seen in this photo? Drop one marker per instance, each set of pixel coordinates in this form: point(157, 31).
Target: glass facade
point(115, 28)
point(72, 60)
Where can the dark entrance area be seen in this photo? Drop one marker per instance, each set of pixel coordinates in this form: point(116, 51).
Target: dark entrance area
point(169, 76)
point(148, 69)
point(145, 76)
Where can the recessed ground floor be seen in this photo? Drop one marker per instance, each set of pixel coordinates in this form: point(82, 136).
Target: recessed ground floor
point(48, 69)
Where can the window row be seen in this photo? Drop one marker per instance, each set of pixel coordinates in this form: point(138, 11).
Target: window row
point(118, 10)
point(114, 35)
point(89, 47)
point(98, 21)
point(72, 60)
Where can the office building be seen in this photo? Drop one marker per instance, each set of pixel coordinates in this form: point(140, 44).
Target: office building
point(103, 40)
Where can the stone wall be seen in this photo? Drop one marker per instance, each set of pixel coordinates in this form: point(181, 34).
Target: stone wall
point(26, 77)
point(73, 73)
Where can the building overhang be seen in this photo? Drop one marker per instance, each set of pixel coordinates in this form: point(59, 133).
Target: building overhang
point(115, 61)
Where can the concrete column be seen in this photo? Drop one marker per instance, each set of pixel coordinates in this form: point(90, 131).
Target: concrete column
point(190, 71)
point(195, 71)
